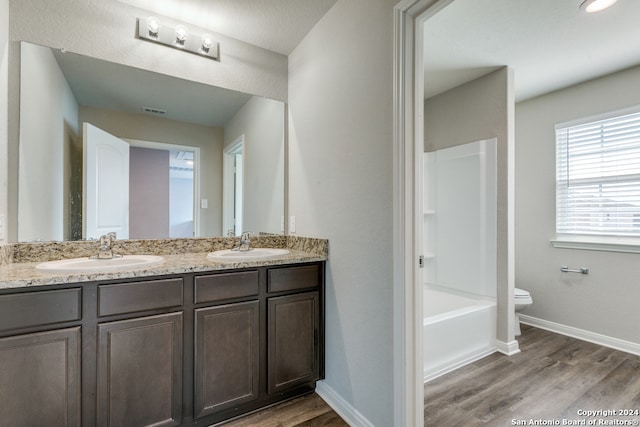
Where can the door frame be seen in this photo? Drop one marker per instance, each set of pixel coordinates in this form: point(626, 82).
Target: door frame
point(228, 187)
point(196, 172)
point(408, 136)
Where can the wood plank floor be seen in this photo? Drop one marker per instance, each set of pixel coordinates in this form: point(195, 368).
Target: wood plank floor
point(305, 411)
point(552, 378)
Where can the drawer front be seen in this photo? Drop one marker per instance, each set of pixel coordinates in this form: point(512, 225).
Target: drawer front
point(217, 287)
point(293, 278)
point(125, 298)
point(40, 308)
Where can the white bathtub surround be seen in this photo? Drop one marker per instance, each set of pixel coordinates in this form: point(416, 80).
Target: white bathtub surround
point(460, 239)
point(458, 328)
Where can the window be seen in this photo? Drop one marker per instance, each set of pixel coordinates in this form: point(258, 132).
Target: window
point(598, 177)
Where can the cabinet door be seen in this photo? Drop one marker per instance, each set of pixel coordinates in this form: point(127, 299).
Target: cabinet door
point(40, 379)
point(227, 356)
point(140, 372)
point(293, 330)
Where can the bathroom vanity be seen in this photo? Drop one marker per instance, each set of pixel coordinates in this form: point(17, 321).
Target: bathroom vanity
point(182, 349)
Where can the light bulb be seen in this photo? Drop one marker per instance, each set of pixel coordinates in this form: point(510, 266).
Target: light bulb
point(181, 35)
point(153, 26)
point(207, 42)
point(592, 6)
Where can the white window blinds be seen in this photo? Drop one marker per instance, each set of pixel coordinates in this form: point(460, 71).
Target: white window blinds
point(598, 177)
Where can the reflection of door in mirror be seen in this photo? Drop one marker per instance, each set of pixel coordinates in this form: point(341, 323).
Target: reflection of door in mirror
point(233, 187)
point(105, 184)
point(138, 192)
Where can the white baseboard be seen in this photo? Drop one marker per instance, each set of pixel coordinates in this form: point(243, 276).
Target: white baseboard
point(581, 334)
point(469, 358)
point(343, 408)
point(508, 348)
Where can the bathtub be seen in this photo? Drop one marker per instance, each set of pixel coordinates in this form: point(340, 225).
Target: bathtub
point(458, 329)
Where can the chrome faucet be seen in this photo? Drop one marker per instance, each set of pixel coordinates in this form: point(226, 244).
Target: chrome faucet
point(245, 242)
point(105, 250)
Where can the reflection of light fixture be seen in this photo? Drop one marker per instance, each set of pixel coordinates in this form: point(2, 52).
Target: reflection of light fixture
point(596, 5)
point(178, 37)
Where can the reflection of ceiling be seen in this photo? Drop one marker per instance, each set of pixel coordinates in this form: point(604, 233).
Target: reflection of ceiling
point(550, 44)
point(276, 25)
point(112, 86)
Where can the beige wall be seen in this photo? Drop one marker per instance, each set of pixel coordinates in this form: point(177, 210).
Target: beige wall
point(340, 187)
point(147, 128)
point(478, 110)
point(105, 30)
point(261, 121)
point(605, 301)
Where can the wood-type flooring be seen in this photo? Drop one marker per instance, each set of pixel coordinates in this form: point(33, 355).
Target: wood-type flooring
point(305, 411)
point(550, 382)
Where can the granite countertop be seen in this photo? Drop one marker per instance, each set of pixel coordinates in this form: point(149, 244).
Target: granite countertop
point(24, 274)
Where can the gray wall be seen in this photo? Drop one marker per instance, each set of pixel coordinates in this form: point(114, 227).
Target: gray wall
point(4, 85)
point(340, 187)
point(606, 300)
point(483, 109)
point(49, 129)
point(105, 30)
point(148, 193)
point(261, 121)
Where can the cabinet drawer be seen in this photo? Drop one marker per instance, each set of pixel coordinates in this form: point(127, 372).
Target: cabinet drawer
point(124, 298)
point(293, 278)
point(39, 308)
point(217, 287)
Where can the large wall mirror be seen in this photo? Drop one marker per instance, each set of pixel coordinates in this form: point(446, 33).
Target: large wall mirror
point(106, 147)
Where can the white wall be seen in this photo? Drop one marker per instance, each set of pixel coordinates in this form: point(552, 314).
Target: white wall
point(483, 109)
point(4, 119)
point(106, 30)
point(261, 121)
point(340, 187)
point(49, 127)
point(606, 300)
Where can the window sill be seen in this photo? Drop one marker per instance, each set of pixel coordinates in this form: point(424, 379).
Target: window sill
point(597, 244)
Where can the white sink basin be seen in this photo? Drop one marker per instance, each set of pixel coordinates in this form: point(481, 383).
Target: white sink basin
point(253, 254)
point(92, 265)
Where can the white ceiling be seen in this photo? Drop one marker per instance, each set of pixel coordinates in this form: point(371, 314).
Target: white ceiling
point(550, 44)
point(275, 25)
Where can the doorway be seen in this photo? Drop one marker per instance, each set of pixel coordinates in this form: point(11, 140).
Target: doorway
point(233, 163)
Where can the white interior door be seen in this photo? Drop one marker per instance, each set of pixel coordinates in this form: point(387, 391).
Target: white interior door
point(105, 184)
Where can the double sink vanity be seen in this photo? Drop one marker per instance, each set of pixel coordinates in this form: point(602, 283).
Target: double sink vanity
point(178, 332)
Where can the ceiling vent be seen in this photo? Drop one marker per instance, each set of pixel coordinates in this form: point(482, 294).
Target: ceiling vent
point(156, 111)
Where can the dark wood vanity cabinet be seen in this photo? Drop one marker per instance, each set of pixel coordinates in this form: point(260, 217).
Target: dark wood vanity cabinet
point(187, 350)
point(40, 358)
point(294, 327)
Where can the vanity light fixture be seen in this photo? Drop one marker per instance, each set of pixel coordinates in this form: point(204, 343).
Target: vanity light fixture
point(178, 37)
point(592, 6)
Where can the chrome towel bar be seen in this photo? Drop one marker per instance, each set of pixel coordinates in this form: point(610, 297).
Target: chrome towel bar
point(566, 269)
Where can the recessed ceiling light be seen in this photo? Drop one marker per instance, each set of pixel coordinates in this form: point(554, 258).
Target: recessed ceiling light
point(591, 6)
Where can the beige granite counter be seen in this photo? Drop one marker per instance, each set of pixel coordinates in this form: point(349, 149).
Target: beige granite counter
point(180, 256)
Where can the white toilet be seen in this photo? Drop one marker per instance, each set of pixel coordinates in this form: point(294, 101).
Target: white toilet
point(522, 300)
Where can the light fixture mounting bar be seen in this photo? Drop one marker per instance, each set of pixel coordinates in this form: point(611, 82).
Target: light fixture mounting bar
point(178, 38)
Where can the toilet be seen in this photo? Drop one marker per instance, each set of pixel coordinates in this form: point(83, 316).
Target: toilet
point(522, 300)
